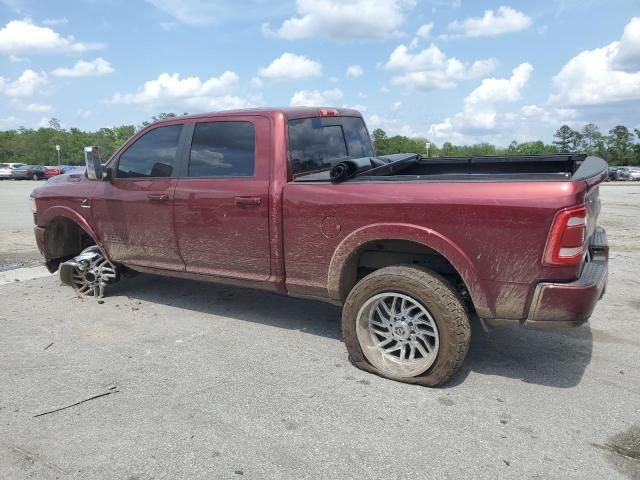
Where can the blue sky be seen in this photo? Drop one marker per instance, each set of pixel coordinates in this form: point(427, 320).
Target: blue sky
point(461, 71)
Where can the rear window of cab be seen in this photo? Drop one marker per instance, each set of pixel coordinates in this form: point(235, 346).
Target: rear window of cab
point(319, 143)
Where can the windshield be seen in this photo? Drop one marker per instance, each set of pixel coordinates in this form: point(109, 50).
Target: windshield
point(321, 142)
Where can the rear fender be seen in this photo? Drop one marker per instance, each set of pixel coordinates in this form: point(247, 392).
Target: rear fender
point(412, 233)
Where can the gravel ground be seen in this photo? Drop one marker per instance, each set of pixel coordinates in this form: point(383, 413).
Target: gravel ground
point(217, 382)
point(17, 244)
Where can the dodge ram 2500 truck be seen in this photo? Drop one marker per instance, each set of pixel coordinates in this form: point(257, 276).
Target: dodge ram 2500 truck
point(295, 201)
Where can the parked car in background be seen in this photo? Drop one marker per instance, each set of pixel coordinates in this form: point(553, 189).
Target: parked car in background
point(623, 173)
point(6, 168)
point(28, 172)
point(53, 171)
point(634, 174)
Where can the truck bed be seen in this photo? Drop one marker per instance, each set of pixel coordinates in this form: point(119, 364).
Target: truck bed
point(558, 167)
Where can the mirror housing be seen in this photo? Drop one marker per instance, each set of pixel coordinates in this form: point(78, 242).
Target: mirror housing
point(92, 161)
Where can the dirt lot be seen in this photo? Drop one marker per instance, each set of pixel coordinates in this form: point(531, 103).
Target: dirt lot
point(212, 382)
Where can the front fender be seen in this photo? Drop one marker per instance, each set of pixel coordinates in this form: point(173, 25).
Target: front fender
point(58, 211)
point(412, 233)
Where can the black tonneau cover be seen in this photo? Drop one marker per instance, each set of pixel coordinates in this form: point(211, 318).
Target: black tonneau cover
point(413, 167)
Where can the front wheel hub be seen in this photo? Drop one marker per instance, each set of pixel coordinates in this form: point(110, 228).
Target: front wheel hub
point(88, 273)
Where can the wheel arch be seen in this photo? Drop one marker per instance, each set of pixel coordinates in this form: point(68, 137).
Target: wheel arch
point(343, 267)
point(64, 235)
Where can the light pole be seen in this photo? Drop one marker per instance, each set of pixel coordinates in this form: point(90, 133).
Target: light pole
point(428, 145)
point(58, 152)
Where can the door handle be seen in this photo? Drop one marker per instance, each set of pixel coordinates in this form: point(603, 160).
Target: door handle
point(244, 201)
point(158, 197)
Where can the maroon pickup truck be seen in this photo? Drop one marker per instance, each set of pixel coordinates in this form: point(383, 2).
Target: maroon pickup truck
point(295, 201)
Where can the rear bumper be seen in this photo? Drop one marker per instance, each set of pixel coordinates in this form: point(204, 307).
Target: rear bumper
point(557, 305)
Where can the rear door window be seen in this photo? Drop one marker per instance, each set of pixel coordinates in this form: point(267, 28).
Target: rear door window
point(154, 155)
point(321, 142)
point(223, 149)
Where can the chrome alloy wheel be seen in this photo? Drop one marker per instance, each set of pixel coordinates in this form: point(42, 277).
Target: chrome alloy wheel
point(91, 274)
point(397, 334)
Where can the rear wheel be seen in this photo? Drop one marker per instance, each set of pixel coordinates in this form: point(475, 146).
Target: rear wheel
point(35, 177)
point(406, 323)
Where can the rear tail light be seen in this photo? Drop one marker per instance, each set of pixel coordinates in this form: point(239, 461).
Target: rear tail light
point(566, 244)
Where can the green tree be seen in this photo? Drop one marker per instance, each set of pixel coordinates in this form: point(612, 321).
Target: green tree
point(619, 145)
point(592, 140)
point(380, 141)
point(537, 147)
point(568, 140)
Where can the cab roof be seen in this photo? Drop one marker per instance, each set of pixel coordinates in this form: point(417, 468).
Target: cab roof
point(290, 113)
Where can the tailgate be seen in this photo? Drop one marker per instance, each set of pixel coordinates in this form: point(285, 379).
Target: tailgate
point(592, 171)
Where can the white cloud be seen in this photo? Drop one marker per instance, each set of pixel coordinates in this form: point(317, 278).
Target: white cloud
point(316, 98)
point(83, 113)
point(214, 12)
point(289, 66)
point(546, 115)
point(424, 30)
point(396, 105)
point(16, 59)
point(343, 19)
point(357, 106)
point(190, 12)
point(491, 24)
point(492, 90)
point(97, 67)
point(22, 36)
point(256, 83)
point(431, 69)
point(355, 71)
point(480, 110)
point(628, 57)
point(55, 21)
point(362, 95)
point(42, 123)
point(392, 126)
point(167, 90)
point(27, 84)
point(37, 107)
point(7, 123)
point(604, 75)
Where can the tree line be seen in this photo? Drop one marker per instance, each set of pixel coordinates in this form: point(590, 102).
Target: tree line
point(38, 146)
point(620, 146)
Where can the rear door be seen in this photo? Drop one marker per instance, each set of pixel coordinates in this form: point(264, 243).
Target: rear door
point(133, 213)
point(221, 200)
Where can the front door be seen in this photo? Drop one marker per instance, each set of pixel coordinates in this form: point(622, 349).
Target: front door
point(133, 213)
point(221, 199)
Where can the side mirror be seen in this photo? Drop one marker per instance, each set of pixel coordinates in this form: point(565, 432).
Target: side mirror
point(92, 161)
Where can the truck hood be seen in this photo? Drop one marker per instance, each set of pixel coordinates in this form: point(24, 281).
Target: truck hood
point(60, 183)
point(76, 175)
